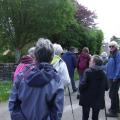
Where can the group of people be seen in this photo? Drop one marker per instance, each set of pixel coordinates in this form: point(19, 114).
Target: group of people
point(42, 75)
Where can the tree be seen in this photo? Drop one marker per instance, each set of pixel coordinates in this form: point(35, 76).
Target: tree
point(24, 21)
point(85, 16)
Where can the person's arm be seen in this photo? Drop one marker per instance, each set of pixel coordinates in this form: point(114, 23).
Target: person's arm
point(13, 97)
point(78, 63)
point(65, 75)
point(57, 102)
point(117, 66)
point(74, 61)
point(84, 83)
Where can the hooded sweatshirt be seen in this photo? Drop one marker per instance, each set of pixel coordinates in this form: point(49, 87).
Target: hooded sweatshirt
point(70, 59)
point(41, 94)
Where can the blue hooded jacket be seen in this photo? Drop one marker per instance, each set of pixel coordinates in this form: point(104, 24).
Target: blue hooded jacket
point(70, 60)
point(113, 66)
point(41, 94)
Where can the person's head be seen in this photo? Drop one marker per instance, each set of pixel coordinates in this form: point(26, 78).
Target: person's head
point(57, 49)
point(31, 52)
point(104, 55)
point(85, 50)
point(73, 50)
point(44, 51)
point(113, 46)
point(96, 60)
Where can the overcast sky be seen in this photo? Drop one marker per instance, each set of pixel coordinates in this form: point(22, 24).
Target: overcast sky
point(108, 15)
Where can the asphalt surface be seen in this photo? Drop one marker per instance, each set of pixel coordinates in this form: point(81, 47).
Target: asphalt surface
point(67, 114)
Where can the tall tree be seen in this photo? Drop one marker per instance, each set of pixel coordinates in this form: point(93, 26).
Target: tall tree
point(85, 16)
point(24, 21)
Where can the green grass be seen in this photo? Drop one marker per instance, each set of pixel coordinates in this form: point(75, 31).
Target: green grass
point(76, 76)
point(5, 87)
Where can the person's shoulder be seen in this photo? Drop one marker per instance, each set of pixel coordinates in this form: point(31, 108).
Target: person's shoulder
point(88, 70)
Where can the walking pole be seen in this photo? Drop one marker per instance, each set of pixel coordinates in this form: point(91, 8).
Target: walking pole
point(105, 113)
point(71, 103)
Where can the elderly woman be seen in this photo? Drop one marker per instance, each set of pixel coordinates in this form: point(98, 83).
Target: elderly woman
point(92, 89)
point(60, 65)
point(113, 74)
point(39, 95)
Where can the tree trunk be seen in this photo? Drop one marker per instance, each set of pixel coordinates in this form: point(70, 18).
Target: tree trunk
point(17, 55)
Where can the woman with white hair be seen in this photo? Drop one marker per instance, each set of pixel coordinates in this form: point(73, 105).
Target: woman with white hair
point(60, 65)
point(113, 74)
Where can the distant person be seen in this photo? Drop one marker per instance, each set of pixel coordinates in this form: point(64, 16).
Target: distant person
point(104, 57)
point(92, 89)
point(60, 65)
point(40, 94)
point(25, 60)
point(83, 63)
point(70, 59)
point(113, 74)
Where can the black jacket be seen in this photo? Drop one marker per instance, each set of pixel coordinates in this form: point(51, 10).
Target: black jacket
point(92, 88)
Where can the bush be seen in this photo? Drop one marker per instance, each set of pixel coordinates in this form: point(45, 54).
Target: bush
point(5, 87)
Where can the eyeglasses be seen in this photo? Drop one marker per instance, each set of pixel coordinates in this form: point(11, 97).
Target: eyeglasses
point(111, 46)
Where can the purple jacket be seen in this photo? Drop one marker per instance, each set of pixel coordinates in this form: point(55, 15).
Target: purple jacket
point(83, 62)
point(40, 94)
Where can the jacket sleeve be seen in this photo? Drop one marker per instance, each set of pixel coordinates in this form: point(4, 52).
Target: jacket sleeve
point(106, 82)
point(65, 75)
point(117, 66)
point(13, 98)
point(84, 83)
point(57, 103)
point(74, 61)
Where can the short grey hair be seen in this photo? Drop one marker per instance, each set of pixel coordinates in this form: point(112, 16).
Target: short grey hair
point(31, 52)
point(44, 51)
point(98, 60)
point(57, 49)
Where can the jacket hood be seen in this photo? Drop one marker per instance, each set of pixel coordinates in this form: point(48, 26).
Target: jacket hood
point(41, 75)
point(96, 67)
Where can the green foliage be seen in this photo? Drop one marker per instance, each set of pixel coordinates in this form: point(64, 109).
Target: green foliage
point(24, 21)
point(5, 87)
point(76, 76)
point(7, 59)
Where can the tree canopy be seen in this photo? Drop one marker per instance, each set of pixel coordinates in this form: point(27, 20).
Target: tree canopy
point(24, 21)
point(62, 21)
point(85, 16)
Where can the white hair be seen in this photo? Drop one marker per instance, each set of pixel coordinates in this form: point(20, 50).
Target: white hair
point(57, 49)
point(114, 43)
point(31, 51)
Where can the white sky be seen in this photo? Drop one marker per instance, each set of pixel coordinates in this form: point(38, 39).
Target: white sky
point(108, 15)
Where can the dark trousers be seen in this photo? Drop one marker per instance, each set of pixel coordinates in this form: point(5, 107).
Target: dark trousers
point(114, 96)
point(72, 82)
point(86, 110)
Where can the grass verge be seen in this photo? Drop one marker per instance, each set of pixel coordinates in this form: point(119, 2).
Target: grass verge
point(5, 87)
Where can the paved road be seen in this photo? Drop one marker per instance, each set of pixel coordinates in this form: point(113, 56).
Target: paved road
point(67, 114)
